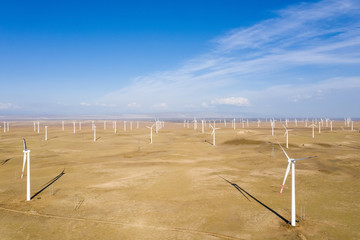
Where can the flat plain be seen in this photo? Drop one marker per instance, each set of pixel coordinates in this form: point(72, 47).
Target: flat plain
point(179, 187)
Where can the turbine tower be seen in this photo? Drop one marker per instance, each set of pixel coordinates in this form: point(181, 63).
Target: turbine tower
point(26, 159)
point(151, 132)
point(291, 162)
point(213, 133)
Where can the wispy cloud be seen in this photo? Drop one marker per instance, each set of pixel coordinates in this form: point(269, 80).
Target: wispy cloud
point(4, 106)
point(304, 44)
point(236, 101)
point(133, 105)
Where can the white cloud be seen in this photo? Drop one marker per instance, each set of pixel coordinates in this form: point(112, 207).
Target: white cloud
point(160, 106)
point(133, 105)
point(204, 104)
point(4, 106)
point(236, 101)
point(85, 104)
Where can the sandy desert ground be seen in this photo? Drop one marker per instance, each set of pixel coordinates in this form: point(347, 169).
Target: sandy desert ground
point(179, 187)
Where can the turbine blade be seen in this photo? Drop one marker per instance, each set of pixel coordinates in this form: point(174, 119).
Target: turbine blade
point(286, 174)
point(284, 152)
point(24, 162)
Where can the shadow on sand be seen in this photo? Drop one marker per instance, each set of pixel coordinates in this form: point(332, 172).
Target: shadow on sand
point(46, 185)
point(243, 192)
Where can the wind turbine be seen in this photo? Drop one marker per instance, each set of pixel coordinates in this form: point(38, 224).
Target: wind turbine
point(151, 132)
point(4, 127)
point(331, 126)
point(38, 126)
point(34, 127)
point(115, 127)
point(272, 122)
point(313, 129)
point(195, 124)
point(213, 133)
point(202, 126)
point(46, 133)
point(26, 158)
point(287, 136)
point(124, 126)
point(74, 127)
point(62, 127)
point(94, 127)
point(291, 162)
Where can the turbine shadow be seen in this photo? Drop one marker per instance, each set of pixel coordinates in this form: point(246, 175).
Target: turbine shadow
point(5, 161)
point(49, 183)
point(243, 192)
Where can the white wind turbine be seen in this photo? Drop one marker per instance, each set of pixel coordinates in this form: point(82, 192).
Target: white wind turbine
point(74, 127)
point(114, 127)
point(287, 136)
point(38, 123)
point(319, 127)
point(272, 122)
point(195, 124)
point(313, 129)
point(331, 126)
point(34, 127)
point(151, 132)
point(62, 127)
point(46, 133)
point(291, 162)
point(213, 133)
point(26, 158)
point(94, 129)
point(124, 126)
point(4, 127)
point(202, 126)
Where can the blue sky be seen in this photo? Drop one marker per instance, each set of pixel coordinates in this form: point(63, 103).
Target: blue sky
point(251, 58)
